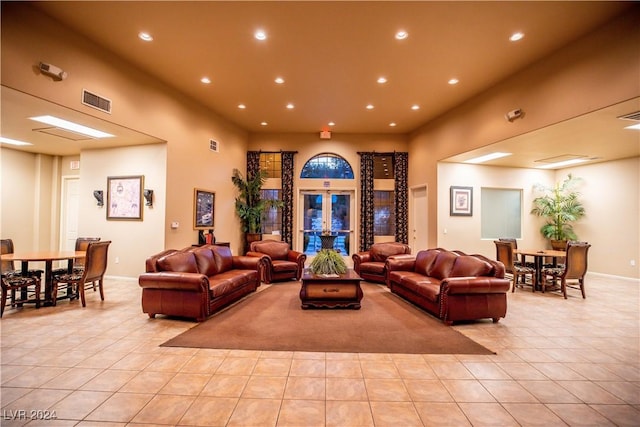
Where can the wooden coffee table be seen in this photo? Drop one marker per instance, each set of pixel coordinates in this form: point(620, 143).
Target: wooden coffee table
point(331, 291)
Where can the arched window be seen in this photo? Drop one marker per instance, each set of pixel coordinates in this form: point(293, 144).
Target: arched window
point(327, 165)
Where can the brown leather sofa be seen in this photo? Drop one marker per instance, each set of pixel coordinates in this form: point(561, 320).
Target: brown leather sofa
point(370, 265)
point(195, 282)
point(450, 285)
point(280, 262)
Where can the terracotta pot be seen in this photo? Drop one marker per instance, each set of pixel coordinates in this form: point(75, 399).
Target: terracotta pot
point(559, 245)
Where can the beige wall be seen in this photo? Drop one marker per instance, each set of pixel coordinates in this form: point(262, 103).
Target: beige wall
point(139, 102)
point(596, 71)
point(609, 193)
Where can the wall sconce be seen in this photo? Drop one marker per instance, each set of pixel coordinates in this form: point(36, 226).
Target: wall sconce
point(98, 194)
point(148, 197)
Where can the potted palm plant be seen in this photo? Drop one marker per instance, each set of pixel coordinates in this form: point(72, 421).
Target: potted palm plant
point(561, 207)
point(250, 205)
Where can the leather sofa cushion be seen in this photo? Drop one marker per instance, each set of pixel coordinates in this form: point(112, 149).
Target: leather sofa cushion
point(223, 258)
point(442, 266)
point(372, 267)
point(424, 260)
point(276, 250)
point(205, 261)
point(427, 288)
point(180, 262)
point(280, 266)
point(466, 265)
point(224, 283)
point(379, 252)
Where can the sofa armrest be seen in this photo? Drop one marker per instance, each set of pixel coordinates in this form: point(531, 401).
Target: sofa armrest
point(244, 262)
point(297, 257)
point(475, 285)
point(189, 282)
point(358, 258)
point(400, 262)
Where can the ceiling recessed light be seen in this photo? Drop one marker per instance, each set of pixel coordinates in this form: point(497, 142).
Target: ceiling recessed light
point(401, 35)
point(392, 124)
point(331, 123)
point(382, 80)
point(145, 36)
point(415, 107)
point(516, 36)
point(453, 81)
point(290, 106)
point(4, 140)
point(71, 126)
point(369, 107)
point(487, 157)
point(263, 123)
point(260, 35)
point(242, 106)
point(205, 80)
point(279, 80)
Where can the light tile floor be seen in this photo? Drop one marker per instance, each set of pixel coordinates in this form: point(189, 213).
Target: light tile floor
point(559, 362)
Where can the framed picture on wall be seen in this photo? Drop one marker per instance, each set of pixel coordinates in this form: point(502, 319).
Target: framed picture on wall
point(461, 201)
point(124, 197)
point(204, 203)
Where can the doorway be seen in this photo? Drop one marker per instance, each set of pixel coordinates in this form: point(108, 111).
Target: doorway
point(328, 212)
point(70, 202)
point(419, 210)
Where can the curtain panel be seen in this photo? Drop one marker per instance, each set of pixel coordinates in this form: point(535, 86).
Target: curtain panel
point(401, 165)
point(287, 196)
point(253, 164)
point(366, 201)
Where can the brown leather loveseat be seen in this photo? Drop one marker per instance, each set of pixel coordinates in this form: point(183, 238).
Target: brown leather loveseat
point(281, 262)
point(450, 285)
point(197, 281)
point(370, 265)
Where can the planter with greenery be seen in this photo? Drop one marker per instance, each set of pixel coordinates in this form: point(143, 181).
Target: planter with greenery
point(250, 206)
point(561, 207)
point(328, 261)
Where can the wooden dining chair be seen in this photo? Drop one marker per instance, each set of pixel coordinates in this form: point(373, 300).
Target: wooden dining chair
point(571, 275)
point(78, 264)
point(8, 267)
point(95, 265)
point(11, 284)
point(519, 273)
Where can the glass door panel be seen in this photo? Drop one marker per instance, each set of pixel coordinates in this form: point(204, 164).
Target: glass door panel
point(326, 213)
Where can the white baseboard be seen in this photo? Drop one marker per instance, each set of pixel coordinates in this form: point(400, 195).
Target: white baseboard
point(126, 278)
point(612, 276)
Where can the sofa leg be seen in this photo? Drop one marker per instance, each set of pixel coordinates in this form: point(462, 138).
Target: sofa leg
point(448, 322)
point(496, 319)
point(152, 315)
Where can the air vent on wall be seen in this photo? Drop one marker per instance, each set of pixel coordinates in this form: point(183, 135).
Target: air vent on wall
point(96, 101)
point(631, 116)
point(213, 145)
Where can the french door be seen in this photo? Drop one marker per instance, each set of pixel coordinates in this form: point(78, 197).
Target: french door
point(327, 212)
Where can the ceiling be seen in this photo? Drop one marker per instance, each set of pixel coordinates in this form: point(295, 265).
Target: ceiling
point(330, 55)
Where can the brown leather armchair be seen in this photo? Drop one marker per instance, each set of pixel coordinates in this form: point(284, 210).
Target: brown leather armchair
point(280, 263)
point(370, 265)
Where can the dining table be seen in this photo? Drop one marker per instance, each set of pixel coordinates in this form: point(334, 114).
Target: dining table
point(538, 260)
point(48, 257)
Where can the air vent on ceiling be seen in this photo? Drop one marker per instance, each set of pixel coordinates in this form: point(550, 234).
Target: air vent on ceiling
point(96, 101)
point(631, 116)
point(213, 145)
